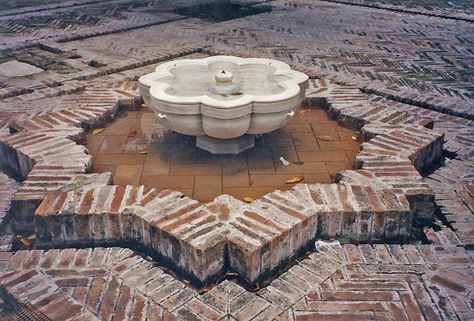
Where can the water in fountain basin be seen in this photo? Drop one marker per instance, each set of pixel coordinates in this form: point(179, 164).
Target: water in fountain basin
point(248, 79)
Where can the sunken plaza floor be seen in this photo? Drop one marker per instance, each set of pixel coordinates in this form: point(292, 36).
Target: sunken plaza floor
point(137, 150)
point(104, 215)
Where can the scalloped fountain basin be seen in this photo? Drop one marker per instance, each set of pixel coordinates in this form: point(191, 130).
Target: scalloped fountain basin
point(223, 100)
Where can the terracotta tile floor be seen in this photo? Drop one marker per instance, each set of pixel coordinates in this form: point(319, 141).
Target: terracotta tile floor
point(137, 150)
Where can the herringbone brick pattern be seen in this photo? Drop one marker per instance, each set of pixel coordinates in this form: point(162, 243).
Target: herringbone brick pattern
point(68, 23)
point(18, 5)
point(459, 9)
point(372, 53)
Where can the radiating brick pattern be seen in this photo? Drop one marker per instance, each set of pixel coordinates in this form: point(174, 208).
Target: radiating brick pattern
point(89, 284)
point(45, 151)
point(198, 239)
point(399, 145)
point(456, 174)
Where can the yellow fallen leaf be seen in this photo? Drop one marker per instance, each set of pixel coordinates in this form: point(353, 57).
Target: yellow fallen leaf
point(248, 199)
point(327, 138)
point(143, 152)
point(144, 106)
point(97, 131)
point(356, 135)
point(25, 242)
point(294, 179)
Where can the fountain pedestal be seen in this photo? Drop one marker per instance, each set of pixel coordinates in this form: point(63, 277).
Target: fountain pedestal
point(225, 146)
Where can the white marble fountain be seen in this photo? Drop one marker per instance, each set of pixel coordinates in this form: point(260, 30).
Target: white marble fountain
point(222, 100)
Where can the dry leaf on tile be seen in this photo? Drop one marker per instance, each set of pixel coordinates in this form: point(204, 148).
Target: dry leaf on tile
point(324, 137)
point(294, 179)
point(97, 131)
point(143, 152)
point(26, 240)
point(355, 136)
point(248, 199)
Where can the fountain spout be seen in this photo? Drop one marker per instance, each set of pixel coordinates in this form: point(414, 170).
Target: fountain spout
point(223, 78)
point(225, 84)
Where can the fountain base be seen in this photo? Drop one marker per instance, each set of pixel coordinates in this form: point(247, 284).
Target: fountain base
point(225, 146)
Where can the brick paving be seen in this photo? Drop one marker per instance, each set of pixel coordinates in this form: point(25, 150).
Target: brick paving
point(316, 147)
point(370, 59)
point(380, 282)
point(458, 10)
point(362, 60)
point(399, 73)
